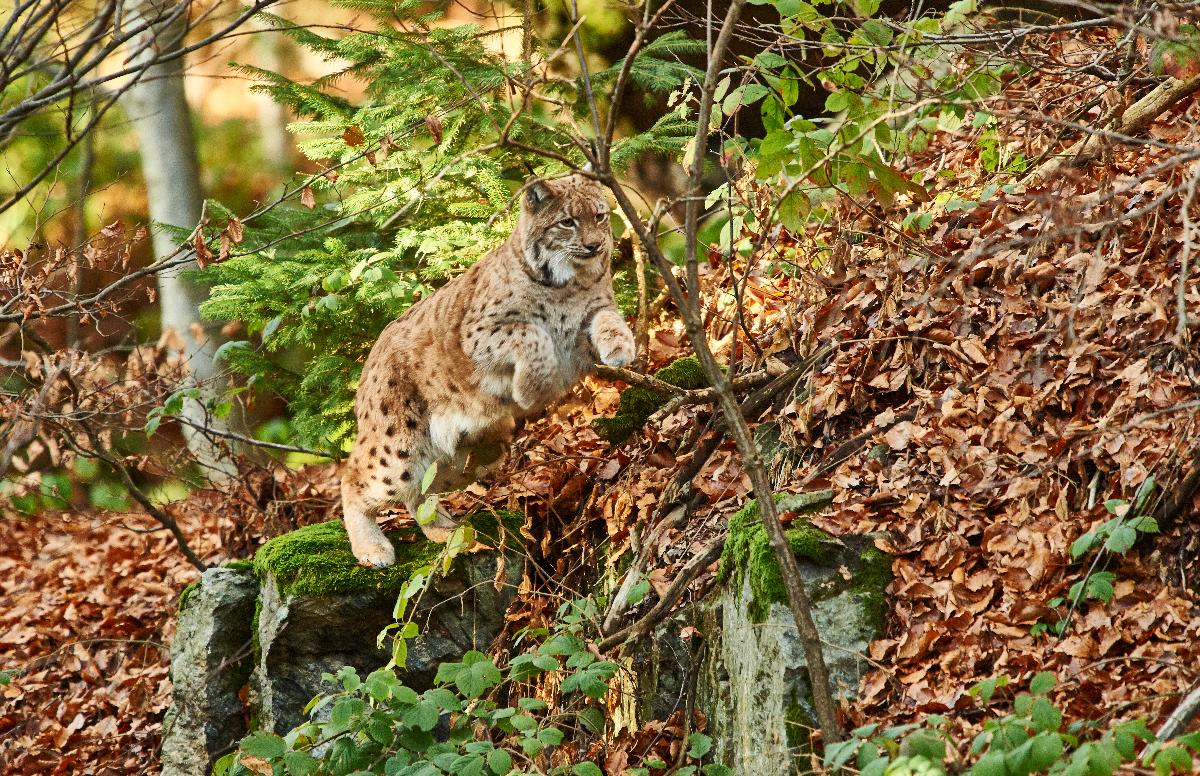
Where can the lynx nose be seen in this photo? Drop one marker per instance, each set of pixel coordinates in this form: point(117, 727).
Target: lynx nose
point(591, 248)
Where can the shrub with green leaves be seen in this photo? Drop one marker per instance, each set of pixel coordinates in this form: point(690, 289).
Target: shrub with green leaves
point(890, 90)
point(420, 184)
point(1115, 536)
point(481, 719)
point(1031, 738)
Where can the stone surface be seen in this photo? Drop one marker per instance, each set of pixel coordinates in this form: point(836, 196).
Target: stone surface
point(751, 678)
point(210, 661)
point(301, 636)
point(755, 685)
point(253, 641)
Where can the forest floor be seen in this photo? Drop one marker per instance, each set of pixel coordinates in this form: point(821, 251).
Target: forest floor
point(998, 376)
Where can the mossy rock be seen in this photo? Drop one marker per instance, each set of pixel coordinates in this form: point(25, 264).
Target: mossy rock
point(187, 593)
point(319, 610)
point(748, 550)
point(638, 403)
point(316, 560)
point(870, 583)
point(754, 684)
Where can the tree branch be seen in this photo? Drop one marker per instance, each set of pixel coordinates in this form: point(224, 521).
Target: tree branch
point(1132, 121)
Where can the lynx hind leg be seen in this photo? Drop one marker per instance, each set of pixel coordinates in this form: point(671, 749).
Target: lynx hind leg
point(360, 510)
point(385, 468)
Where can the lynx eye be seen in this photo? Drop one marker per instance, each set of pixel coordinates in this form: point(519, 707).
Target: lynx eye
point(601, 217)
point(567, 223)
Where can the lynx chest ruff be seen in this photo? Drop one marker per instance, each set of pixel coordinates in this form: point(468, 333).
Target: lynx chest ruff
point(501, 341)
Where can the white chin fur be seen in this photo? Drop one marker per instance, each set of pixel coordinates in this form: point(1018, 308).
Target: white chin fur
point(562, 268)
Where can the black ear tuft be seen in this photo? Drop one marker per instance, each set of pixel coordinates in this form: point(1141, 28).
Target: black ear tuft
point(537, 194)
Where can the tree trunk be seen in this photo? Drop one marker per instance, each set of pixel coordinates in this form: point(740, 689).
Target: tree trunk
point(158, 109)
point(271, 47)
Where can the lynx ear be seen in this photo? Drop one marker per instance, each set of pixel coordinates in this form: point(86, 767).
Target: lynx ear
point(537, 194)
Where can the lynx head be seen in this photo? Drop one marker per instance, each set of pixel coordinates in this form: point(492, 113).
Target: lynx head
point(564, 229)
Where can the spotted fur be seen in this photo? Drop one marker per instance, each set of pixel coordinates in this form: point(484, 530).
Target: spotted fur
point(499, 342)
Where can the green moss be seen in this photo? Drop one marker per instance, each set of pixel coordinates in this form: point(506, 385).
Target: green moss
point(625, 288)
point(870, 585)
point(187, 592)
point(242, 564)
point(638, 403)
point(686, 373)
point(316, 559)
point(797, 726)
point(255, 645)
point(748, 551)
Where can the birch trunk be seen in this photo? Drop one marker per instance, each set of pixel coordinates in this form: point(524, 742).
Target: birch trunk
point(158, 109)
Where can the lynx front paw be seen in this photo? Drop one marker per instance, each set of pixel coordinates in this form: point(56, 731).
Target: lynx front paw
point(529, 393)
point(376, 552)
point(612, 339)
point(616, 351)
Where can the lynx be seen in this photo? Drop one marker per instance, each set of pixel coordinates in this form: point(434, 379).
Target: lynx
point(500, 342)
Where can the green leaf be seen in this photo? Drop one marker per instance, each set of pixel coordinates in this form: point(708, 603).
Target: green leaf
point(637, 592)
point(1173, 759)
point(699, 745)
point(1044, 751)
point(592, 719)
point(990, 764)
point(1045, 715)
point(428, 477)
point(523, 722)
point(1080, 546)
point(346, 711)
point(267, 746)
point(423, 716)
point(467, 765)
point(1144, 524)
point(926, 743)
point(837, 755)
point(532, 704)
point(580, 660)
point(1121, 539)
point(478, 675)
point(1100, 586)
point(1142, 497)
point(769, 60)
point(447, 672)
point(499, 762)
point(876, 32)
point(1043, 683)
point(550, 736)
